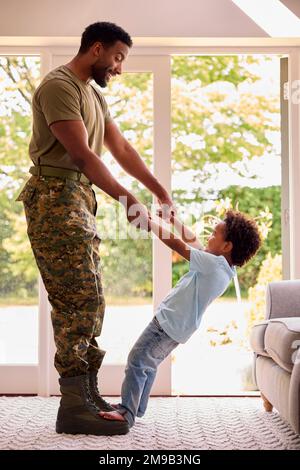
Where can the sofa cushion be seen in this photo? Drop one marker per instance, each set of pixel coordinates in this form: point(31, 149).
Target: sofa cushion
point(257, 338)
point(282, 338)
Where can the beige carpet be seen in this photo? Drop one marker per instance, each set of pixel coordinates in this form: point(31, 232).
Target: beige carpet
point(170, 423)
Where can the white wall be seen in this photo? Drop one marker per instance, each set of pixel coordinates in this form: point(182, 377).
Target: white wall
point(141, 18)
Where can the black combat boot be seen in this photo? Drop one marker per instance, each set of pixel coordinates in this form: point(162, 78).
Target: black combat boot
point(78, 414)
point(99, 401)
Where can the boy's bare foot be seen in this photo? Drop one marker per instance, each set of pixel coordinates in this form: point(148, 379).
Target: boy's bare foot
point(112, 415)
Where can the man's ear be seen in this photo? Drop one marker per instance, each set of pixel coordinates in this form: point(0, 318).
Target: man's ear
point(97, 48)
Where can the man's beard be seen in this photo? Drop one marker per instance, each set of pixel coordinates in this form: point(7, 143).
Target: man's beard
point(99, 75)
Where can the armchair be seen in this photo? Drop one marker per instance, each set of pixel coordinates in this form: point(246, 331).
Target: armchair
point(276, 346)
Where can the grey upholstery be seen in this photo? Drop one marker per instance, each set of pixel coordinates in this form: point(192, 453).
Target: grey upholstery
point(276, 344)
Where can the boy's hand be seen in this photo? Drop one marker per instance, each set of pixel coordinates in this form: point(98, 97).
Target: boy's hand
point(171, 217)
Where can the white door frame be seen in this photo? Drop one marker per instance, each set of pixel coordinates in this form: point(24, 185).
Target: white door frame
point(41, 378)
point(285, 199)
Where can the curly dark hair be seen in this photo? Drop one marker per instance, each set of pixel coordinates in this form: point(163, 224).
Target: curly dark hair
point(105, 32)
point(243, 233)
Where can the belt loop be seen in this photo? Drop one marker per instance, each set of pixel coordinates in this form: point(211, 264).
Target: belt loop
point(39, 169)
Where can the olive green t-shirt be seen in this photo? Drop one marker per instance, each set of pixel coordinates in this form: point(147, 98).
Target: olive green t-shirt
point(62, 96)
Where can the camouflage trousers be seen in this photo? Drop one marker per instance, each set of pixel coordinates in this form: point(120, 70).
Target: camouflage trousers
point(61, 227)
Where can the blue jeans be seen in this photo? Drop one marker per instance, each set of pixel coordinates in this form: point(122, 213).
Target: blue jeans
point(151, 348)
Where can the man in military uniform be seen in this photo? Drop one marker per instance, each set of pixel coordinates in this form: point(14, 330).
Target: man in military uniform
point(71, 122)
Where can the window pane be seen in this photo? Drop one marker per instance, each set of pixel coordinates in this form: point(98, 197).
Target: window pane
point(126, 253)
point(226, 153)
point(19, 77)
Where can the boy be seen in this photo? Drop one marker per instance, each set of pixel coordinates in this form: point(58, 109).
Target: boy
point(232, 243)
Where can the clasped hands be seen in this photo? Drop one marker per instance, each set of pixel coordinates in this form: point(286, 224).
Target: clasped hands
point(139, 216)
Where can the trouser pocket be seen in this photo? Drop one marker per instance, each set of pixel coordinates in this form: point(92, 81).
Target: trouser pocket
point(27, 194)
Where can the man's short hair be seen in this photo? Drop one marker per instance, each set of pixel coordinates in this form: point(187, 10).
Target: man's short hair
point(104, 32)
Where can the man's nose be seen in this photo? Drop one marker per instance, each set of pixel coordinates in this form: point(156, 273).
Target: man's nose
point(119, 69)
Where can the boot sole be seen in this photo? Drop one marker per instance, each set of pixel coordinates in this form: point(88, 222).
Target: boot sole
point(80, 429)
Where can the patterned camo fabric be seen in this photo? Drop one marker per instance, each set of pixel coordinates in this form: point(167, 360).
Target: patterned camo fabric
point(61, 227)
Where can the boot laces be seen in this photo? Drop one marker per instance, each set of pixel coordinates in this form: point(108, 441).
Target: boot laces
point(99, 397)
point(89, 397)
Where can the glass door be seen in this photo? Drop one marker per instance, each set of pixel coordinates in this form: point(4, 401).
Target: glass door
point(227, 154)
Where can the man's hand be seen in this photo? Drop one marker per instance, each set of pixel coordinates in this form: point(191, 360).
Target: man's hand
point(167, 208)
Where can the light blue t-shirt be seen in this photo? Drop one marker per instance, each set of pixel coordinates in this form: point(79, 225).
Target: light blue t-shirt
point(180, 313)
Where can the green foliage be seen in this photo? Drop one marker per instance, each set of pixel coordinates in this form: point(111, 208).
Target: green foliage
point(179, 269)
point(126, 263)
point(18, 79)
point(131, 105)
point(209, 69)
point(224, 122)
point(127, 268)
point(270, 270)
